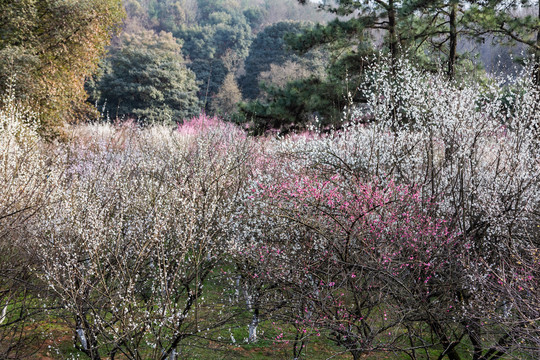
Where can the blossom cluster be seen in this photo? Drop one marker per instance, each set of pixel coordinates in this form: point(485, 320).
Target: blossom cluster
point(414, 228)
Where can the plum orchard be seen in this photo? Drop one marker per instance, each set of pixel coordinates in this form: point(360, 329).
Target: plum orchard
point(137, 234)
point(363, 261)
point(472, 151)
point(27, 181)
point(413, 231)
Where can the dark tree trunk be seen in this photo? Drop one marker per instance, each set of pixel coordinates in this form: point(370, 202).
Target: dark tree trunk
point(453, 41)
point(473, 330)
point(537, 55)
point(449, 346)
point(86, 337)
point(392, 31)
point(356, 354)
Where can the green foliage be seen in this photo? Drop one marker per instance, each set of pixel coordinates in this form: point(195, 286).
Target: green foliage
point(214, 31)
point(255, 17)
point(512, 21)
point(323, 96)
point(207, 46)
point(166, 15)
point(346, 42)
point(268, 47)
point(518, 21)
point(360, 17)
point(208, 7)
point(301, 102)
point(50, 47)
point(148, 80)
point(161, 15)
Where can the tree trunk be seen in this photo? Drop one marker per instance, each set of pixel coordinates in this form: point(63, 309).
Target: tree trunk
point(537, 55)
point(392, 31)
point(356, 354)
point(252, 338)
point(87, 339)
point(473, 330)
point(449, 346)
point(4, 312)
point(453, 41)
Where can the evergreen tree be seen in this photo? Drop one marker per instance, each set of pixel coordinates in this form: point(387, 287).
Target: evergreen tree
point(434, 26)
point(268, 47)
point(513, 21)
point(301, 102)
point(148, 80)
point(365, 15)
point(208, 44)
point(345, 44)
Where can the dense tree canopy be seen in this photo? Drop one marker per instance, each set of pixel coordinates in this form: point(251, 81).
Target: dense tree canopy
point(336, 61)
point(208, 43)
point(49, 48)
point(512, 21)
point(214, 31)
point(147, 79)
point(268, 47)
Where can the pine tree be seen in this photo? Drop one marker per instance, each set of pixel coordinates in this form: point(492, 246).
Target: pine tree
point(513, 21)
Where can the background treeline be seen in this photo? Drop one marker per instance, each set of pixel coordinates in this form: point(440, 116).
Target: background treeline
point(227, 46)
point(285, 65)
point(279, 64)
